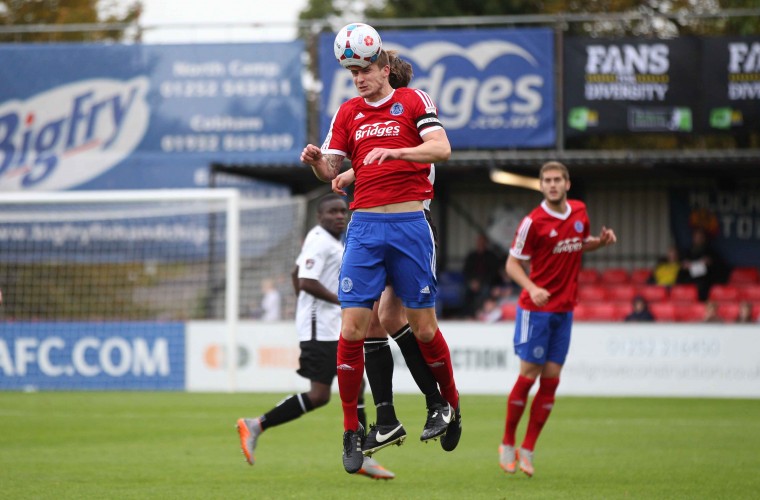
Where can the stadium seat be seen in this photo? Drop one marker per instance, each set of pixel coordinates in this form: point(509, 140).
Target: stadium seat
point(744, 276)
point(621, 293)
point(588, 276)
point(749, 292)
point(603, 311)
point(615, 276)
point(663, 310)
point(693, 312)
point(582, 312)
point(509, 311)
point(728, 311)
point(598, 311)
point(641, 276)
point(653, 293)
point(724, 293)
point(592, 293)
point(684, 293)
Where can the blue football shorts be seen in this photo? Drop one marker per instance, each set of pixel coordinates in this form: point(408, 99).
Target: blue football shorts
point(542, 336)
point(395, 248)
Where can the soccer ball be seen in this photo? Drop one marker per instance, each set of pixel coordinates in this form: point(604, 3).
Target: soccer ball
point(357, 44)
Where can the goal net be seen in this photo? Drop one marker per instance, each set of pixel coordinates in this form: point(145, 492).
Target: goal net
point(97, 286)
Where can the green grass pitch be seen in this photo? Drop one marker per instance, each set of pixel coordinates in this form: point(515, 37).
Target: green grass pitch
point(104, 445)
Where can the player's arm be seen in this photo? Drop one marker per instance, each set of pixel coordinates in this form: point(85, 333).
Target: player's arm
point(606, 237)
point(325, 167)
point(318, 290)
point(343, 180)
point(294, 280)
point(435, 148)
point(516, 271)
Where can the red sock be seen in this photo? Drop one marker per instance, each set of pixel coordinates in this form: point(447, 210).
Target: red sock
point(350, 375)
point(516, 403)
point(540, 410)
point(438, 358)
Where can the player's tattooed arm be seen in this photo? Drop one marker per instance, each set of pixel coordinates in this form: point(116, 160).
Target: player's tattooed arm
point(325, 167)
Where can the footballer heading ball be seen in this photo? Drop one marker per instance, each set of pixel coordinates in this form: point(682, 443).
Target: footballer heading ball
point(357, 44)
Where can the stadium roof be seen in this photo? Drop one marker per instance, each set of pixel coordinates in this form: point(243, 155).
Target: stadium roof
point(610, 163)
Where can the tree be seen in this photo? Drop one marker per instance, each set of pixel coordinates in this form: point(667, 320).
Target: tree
point(17, 13)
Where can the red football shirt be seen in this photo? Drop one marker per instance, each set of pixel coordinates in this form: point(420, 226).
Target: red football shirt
point(554, 244)
point(398, 121)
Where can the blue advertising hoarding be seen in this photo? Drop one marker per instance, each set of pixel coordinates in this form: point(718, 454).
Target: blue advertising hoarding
point(730, 219)
point(494, 88)
point(140, 116)
point(92, 356)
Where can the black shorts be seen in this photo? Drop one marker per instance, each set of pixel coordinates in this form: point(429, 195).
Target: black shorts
point(318, 360)
point(432, 227)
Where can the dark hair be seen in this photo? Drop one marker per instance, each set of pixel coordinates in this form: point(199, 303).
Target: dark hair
point(326, 199)
point(401, 71)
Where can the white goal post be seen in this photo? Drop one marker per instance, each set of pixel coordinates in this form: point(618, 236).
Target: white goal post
point(124, 263)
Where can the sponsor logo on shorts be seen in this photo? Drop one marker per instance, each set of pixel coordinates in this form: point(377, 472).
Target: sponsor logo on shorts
point(425, 290)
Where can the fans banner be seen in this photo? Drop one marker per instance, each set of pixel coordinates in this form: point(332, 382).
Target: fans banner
point(731, 83)
point(142, 116)
point(630, 85)
point(730, 218)
point(494, 88)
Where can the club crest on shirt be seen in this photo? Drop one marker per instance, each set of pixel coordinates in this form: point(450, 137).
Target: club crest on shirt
point(578, 226)
point(309, 263)
point(397, 109)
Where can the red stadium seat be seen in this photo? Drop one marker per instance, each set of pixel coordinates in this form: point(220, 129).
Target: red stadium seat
point(615, 276)
point(582, 312)
point(641, 276)
point(724, 293)
point(509, 311)
point(684, 293)
point(749, 292)
point(744, 276)
point(621, 293)
point(693, 312)
point(728, 311)
point(592, 293)
point(603, 311)
point(663, 311)
point(653, 293)
point(588, 276)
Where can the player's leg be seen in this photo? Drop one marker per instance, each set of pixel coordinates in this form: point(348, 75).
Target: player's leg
point(393, 319)
point(317, 363)
point(362, 280)
point(350, 374)
point(543, 402)
point(370, 467)
point(378, 361)
point(411, 269)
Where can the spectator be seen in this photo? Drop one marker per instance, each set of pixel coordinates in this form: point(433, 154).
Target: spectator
point(481, 271)
point(745, 313)
point(702, 264)
point(711, 313)
point(668, 270)
point(271, 302)
point(641, 312)
point(490, 311)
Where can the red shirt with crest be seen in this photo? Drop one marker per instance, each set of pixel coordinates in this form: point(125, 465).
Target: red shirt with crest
point(398, 121)
point(553, 242)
